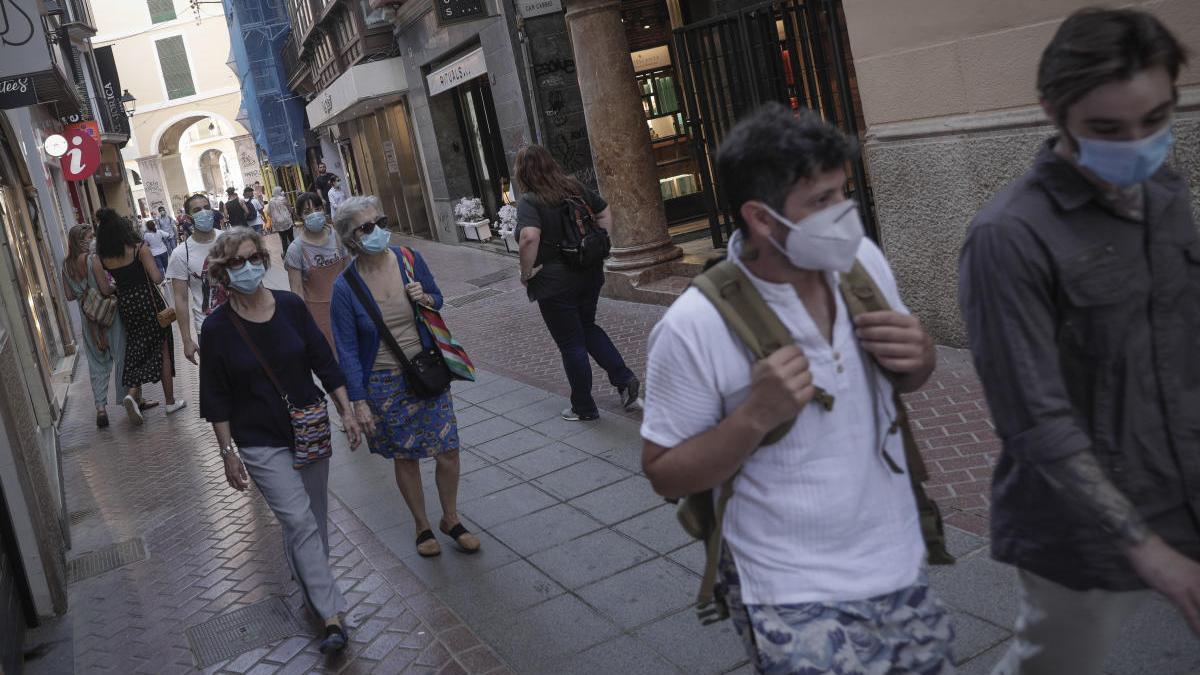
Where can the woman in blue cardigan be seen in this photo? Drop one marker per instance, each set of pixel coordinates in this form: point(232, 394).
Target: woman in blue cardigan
point(401, 425)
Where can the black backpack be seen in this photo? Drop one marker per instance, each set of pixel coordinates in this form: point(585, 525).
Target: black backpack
point(251, 212)
point(584, 244)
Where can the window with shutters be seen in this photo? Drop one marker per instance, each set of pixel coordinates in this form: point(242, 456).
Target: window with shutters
point(176, 72)
point(161, 10)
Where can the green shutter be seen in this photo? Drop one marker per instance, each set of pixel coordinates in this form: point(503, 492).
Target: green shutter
point(161, 10)
point(177, 74)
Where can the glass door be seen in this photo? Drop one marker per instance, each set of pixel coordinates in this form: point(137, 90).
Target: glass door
point(481, 132)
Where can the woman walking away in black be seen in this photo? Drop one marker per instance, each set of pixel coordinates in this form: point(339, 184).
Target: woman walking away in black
point(149, 347)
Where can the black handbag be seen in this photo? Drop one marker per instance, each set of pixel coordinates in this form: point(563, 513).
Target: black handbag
point(427, 374)
point(588, 244)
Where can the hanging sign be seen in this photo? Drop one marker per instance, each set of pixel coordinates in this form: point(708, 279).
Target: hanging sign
point(89, 127)
point(527, 9)
point(82, 157)
point(56, 145)
point(460, 70)
point(23, 35)
point(453, 11)
point(17, 92)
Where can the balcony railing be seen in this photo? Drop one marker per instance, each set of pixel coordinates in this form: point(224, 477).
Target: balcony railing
point(77, 14)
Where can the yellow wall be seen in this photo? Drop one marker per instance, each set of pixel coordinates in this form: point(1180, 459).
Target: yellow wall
point(919, 59)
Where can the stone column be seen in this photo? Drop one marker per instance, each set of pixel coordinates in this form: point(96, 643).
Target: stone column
point(175, 183)
point(617, 132)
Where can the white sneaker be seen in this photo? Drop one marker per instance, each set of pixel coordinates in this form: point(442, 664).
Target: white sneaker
point(177, 405)
point(132, 409)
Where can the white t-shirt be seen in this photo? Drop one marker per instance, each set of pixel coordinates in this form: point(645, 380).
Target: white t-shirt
point(258, 211)
point(818, 516)
point(189, 261)
point(156, 241)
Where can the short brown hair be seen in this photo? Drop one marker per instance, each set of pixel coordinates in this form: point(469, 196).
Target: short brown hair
point(227, 246)
point(1094, 47)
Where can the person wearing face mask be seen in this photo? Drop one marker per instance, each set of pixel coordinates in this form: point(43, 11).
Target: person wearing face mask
point(314, 260)
point(821, 567)
point(187, 269)
point(261, 350)
point(385, 289)
point(281, 218)
point(1080, 286)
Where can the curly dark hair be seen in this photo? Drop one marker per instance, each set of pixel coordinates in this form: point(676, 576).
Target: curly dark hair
point(1094, 47)
point(113, 233)
point(764, 155)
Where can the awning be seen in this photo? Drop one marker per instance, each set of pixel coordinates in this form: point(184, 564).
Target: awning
point(357, 91)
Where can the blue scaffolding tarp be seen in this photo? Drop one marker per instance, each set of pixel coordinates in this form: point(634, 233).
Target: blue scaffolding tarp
point(257, 32)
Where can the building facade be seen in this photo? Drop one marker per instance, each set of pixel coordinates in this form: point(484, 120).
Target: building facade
point(952, 115)
point(173, 57)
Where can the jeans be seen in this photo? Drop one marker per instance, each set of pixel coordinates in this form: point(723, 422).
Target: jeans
point(571, 318)
point(161, 261)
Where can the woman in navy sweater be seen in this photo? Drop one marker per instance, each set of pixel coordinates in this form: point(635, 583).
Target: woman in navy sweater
point(240, 400)
point(400, 425)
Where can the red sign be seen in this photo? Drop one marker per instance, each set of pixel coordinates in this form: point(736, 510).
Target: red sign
point(83, 155)
point(91, 127)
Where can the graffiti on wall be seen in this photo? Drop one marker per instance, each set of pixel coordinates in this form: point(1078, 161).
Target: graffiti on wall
point(560, 107)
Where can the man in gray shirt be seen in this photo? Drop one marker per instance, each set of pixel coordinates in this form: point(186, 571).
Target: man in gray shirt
point(1080, 286)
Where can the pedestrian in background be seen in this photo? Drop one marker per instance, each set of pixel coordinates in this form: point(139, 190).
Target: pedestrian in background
point(149, 347)
point(261, 350)
point(314, 261)
point(336, 195)
point(235, 210)
point(567, 296)
point(185, 224)
point(157, 241)
point(166, 225)
point(321, 184)
point(821, 555)
point(196, 294)
point(400, 424)
point(282, 219)
point(103, 346)
point(254, 215)
point(1087, 349)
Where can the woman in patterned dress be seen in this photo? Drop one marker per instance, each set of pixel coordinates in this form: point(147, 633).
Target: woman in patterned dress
point(400, 425)
point(149, 348)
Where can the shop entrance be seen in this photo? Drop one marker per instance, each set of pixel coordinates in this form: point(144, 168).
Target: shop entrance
point(791, 51)
point(485, 149)
point(379, 154)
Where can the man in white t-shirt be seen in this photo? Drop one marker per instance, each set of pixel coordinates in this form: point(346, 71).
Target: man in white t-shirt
point(253, 200)
point(188, 272)
point(822, 561)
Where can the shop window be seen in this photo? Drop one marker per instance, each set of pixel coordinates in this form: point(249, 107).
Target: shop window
point(161, 10)
point(660, 103)
point(176, 72)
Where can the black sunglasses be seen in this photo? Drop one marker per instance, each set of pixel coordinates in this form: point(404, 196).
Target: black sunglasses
point(238, 262)
point(369, 226)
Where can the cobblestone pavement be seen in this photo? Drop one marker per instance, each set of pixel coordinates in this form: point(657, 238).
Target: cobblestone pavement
point(583, 569)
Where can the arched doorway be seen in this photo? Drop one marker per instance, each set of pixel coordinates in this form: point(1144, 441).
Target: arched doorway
point(211, 173)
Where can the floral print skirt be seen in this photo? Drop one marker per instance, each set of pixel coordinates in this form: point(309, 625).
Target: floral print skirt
point(408, 426)
point(907, 631)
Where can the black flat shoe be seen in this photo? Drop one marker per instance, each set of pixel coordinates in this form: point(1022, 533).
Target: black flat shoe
point(335, 640)
point(101, 419)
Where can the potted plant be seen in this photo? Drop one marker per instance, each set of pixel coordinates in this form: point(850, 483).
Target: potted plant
point(468, 213)
point(506, 227)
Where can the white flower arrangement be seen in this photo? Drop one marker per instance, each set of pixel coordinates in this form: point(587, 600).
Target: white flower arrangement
point(507, 224)
point(469, 209)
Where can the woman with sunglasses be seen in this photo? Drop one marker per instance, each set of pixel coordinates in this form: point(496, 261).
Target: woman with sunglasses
point(258, 338)
point(400, 425)
point(314, 260)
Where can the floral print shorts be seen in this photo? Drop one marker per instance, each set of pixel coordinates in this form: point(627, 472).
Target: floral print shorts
point(907, 631)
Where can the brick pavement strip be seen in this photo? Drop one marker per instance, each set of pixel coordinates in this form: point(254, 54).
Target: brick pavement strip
point(212, 550)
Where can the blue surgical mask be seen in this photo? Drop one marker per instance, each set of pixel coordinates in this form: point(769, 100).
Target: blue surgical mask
point(247, 279)
point(1125, 163)
point(315, 221)
point(204, 220)
point(377, 241)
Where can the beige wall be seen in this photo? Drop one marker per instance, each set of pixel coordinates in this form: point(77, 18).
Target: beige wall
point(918, 59)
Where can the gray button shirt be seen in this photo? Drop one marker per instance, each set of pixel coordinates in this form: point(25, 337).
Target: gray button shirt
point(1084, 322)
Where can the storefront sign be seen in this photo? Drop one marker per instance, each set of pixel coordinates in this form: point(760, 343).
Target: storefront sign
point(465, 68)
point(90, 127)
point(17, 92)
point(453, 11)
point(389, 154)
point(110, 89)
point(651, 59)
point(531, 8)
point(24, 38)
point(82, 157)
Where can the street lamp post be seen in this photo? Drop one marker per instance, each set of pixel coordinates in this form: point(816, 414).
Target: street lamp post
point(128, 102)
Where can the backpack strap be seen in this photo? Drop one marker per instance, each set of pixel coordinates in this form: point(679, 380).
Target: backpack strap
point(862, 295)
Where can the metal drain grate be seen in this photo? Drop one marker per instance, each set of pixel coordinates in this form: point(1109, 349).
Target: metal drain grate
point(105, 560)
point(225, 636)
point(475, 296)
point(77, 517)
point(494, 277)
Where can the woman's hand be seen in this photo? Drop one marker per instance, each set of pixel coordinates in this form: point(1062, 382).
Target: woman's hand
point(365, 418)
point(417, 293)
point(235, 472)
point(353, 430)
